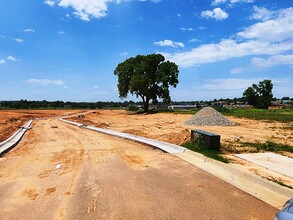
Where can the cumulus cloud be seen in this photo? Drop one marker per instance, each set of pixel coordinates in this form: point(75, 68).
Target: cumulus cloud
point(273, 61)
point(29, 30)
point(186, 29)
point(229, 84)
point(155, 1)
point(18, 40)
point(241, 1)
point(216, 13)
point(201, 28)
point(123, 54)
point(169, 43)
point(261, 13)
point(226, 49)
point(11, 58)
point(45, 82)
point(270, 37)
point(217, 2)
point(87, 9)
point(193, 40)
point(2, 61)
point(237, 70)
point(50, 2)
point(273, 30)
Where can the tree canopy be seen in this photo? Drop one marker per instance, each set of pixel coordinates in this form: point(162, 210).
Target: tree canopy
point(148, 77)
point(259, 96)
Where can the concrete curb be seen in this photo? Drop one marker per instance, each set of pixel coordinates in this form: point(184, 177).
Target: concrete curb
point(164, 146)
point(269, 192)
point(9, 143)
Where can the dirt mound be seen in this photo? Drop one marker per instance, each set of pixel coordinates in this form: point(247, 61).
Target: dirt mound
point(209, 117)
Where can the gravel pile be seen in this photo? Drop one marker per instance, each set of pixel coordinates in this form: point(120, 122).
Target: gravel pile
point(209, 117)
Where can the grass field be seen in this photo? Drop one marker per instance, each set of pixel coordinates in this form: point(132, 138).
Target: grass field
point(280, 115)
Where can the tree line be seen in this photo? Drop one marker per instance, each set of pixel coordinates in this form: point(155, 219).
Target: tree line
point(25, 104)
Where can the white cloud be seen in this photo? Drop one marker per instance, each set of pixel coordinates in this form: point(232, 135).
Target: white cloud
point(124, 54)
point(240, 1)
point(261, 13)
point(201, 28)
point(61, 32)
point(2, 61)
point(2, 36)
point(169, 43)
point(217, 2)
point(50, 2)
point(271, 37)
point(226, 49)
point(273, 61)
point(193, 40)
point(216, 13)
point(11, 58)
point(186, 29)
point(155, 1)
point(19, 40)
point(273, 30)
point(57, 82)
point(229, 84)
point(237, 70)
point(29, 30)
point(230, 2)
point(86, 9)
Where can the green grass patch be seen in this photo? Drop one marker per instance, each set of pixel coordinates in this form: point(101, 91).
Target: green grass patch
point(216, 155)
point(269, 146)
point(280, 115)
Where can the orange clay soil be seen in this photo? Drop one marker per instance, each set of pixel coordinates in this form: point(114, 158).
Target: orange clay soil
point(12, 120)
point(169, 127)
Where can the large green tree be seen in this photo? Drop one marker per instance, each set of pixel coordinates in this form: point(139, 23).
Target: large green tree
point(259, 96)
point(147, 77)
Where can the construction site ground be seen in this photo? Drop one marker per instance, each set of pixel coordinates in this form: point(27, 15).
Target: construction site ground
point(169, 127)
point(68, 172)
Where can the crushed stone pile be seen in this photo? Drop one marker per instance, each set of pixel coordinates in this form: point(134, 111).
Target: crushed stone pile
point(209, 117)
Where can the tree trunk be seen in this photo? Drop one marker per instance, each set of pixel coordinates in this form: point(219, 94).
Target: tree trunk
point(146, 105)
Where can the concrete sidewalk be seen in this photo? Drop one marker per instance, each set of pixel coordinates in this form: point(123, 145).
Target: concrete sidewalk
point(271, 161)
point(267, 191)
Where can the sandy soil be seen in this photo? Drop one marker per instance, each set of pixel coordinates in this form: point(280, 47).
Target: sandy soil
point(102, 177)
point(12, 120)
point(169, 127)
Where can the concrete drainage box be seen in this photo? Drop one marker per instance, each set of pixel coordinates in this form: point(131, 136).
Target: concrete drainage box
point(209, 140)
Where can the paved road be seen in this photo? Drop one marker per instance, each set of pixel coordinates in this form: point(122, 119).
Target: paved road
point(102, 177)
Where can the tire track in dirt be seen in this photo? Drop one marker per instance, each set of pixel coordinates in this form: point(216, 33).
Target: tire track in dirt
point(102, 177)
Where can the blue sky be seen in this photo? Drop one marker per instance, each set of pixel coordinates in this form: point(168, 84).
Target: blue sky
point(68, 49)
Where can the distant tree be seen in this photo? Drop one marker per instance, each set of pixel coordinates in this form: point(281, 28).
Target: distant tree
point(260, 96)
point(148, 77)
point(250, 96)
point(286, 98)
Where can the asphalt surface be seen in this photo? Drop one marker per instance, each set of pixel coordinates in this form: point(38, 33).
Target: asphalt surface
point(59, 171)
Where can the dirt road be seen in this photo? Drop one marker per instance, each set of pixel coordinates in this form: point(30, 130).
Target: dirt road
point(102, 177)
